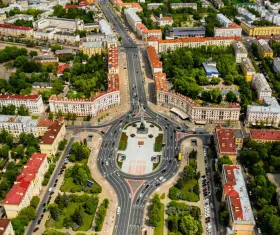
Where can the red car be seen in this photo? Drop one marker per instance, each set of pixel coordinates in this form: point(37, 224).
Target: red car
point(35, 230)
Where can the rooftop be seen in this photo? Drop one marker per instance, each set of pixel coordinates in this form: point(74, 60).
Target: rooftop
point(248, 65)
point(236, 191)
point(10, 26)
point(259, 83)
point(239, 47)
point(210, 67)
point(52, 132)
point(264, 45)
point(199, 39)
point(265, 134)
point(4, 223)
point(27, 175)
point(153, 57)
point(61, 68)
point(182, 29)
point(226, 141)
point(19, 97)
point(92, 44)
point(270, 106)
point(24, 120)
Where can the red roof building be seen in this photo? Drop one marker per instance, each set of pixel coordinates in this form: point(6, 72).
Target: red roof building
point(236, 196)
point(155, 63)
point(19, 97)
point(11, 26)
point(25, 186)
point(265, 135)
point(61, 68)
point(6, 227)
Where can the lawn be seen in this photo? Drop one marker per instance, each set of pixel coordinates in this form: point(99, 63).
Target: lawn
point(123, 141)
point(120, 164)
point(158, 143)
point(70, 186)
point(155, 165)
point(69, 211)
point(160, 226)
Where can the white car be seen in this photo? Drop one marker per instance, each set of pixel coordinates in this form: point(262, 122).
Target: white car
point(106, 163)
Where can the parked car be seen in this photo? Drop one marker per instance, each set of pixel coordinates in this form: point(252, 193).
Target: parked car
point(35, 230)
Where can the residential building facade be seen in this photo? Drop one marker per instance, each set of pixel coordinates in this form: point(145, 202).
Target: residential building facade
point(92, 48)
point(261, 86)
point(276, 64)
point(27, 185)
point(263, 136)
point(155, 63)
point(33, 102)
point(184, 32)
point(15, 31)
point(260, 30)
point(240, 51)
point(183, 5)
point(247, 68)
point(241, 218)
point(264, 49)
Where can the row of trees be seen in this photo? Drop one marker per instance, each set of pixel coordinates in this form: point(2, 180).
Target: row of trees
point(154, 213)
point(101, 214)
point(13, 110)
point(11, 53)
point(79, 151)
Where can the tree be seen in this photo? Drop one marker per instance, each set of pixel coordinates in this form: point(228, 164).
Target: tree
point(188, 225)
point(188, 173)
point(18, 152)
point(59, 114)
point(231, 97)
point(90, 206)
point(77, 217)
point(34, 202)
point(154, 217)
point(52, 231)
point(23, 111)
point(51, 116)
point(67, 222)
point(54, 211)
point(224, 160)
point(33, 53)
point(18, 226)
point(27, 214)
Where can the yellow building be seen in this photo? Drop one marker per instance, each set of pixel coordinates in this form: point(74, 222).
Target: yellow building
point(52, 137)
point(260, 30)
point(15, 31)
point(92, 48)
point(247, 69)
point(264, 49)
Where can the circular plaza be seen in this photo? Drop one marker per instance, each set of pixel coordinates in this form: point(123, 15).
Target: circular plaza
point(140, 148)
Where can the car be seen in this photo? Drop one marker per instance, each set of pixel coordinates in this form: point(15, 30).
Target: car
point(44, 210)
point(39, 221)
point(106, 163)
point(129, 195)
point(42, 216)
point(118, 210)
point(163, 171)
point(56, 180)
point(259, 231)
point(35, 230)
point(44, 204)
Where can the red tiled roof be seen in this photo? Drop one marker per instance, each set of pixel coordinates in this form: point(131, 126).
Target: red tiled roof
point(151, 31)
point(71, 6)
point(61, 68)
point(44, 123)
point(10, 26)
point(19, 97)
point(231, 192)
point(226, 140)
point(52, 132)
point(169, 18)
point(3, 225)
point(27, 175)
point(153, 38)
point(153, 57)
point(265, 134)
point(160, 81)
point(113, 82)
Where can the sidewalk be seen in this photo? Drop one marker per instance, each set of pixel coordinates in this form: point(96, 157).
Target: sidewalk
point(164, 188)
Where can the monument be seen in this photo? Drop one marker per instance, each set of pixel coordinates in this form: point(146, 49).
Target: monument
point(142, 129)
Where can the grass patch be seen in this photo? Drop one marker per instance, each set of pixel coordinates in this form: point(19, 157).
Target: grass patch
point(70, 186)
point(34, 117)
point(160, 226)
point(69, 211)
point(120, 164)
point(155, 165)
point(123, 141)
point(158, 143)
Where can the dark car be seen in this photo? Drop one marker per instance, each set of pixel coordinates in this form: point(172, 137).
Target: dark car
point(44, 210)
point(35, 230)
point(42, 216)
point(39, 221)
point(56, 180)
point(163, 171)
point(44, 204)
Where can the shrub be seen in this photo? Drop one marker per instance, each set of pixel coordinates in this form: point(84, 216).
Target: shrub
point(34, 202)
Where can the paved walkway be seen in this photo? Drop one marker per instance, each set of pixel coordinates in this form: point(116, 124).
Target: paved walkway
point(164, 188)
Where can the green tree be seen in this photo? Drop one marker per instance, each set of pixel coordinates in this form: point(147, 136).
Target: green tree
point(33, 53)
point(18, 226)
point(27, 214)
point(154, 217)
point(20, 61)
point(229, 79)
point(23, 111)
point(51, 116)
point(54, 211)
point(78, 217)
point(34, 202)
point(90, 206)
point(188, 173)
point(231, 97)
point(224, 160)
point(188, 225)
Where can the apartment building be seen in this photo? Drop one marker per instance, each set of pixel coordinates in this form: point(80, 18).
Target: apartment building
point(264, 49)
point(10, 30)
point(263, 136)
point(51, 138)
point(61, 23)
point(276, 64)
point(18, 124)
point(229, 29)
point(153, 6)
point(151, 33)
point(218, 3)
point(33, 102)
point(193, 42)
point(260, 30)
point(241, 218)
point(6, 227)
point(14, 18)
point(105, 28)
point(261, 86)
point(155, 63)
point(46, 59)
point(132, 18)
point(27, 185)
point(268, 113)
point(224, 21)
point(184, 32)
point(228, 142)
point(247, 68)
point(113, 62)
point(92, 48)
point(240, 51)
point(183, 5)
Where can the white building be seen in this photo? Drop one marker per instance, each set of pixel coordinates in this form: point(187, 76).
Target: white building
point(223, 20)
point(61, 23)
point(183, 5)
point(276, 64)
point(18, 124)
point(269, 112)
point(165, 20)
point(15, 31)
point(33, 102)
point(246, 13)
point(261, 86)
point(151, 6)
point(132, 18)
point(27, 185)
point(106, 28)
point(233, 30)
point(240, 51)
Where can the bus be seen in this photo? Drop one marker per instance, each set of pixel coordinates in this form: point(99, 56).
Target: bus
point(179, 156)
